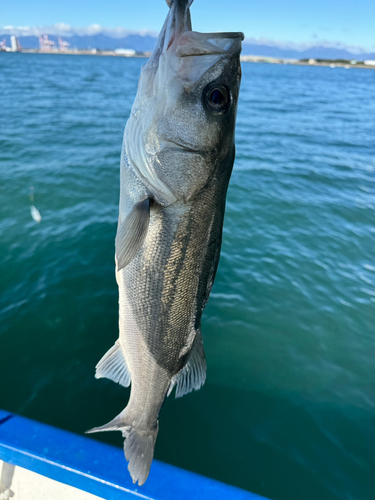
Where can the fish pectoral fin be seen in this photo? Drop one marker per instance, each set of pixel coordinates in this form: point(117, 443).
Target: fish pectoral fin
point(131, 233)
point(113, 366)
point(193, 374)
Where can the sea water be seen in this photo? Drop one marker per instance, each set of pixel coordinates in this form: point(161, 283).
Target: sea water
point(288, 408)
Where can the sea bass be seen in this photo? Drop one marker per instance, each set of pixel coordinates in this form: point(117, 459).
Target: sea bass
point(177, 159)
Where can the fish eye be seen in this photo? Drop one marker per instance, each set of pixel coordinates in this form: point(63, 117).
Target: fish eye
point(216, 98)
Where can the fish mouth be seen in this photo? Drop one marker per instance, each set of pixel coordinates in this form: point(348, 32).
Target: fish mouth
point(177, 38)
point(192, 44)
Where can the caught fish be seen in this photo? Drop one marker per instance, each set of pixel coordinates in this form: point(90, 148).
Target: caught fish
point(177, 159)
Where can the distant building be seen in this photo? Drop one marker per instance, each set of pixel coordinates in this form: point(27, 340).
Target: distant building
point(370, 62)
point(3, 45)
point(266, 59)
point(125, 52)
point(14, 44)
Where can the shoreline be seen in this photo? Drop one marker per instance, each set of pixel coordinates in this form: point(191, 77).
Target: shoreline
point(244, 58)
point(88, 52)
point(331, 63)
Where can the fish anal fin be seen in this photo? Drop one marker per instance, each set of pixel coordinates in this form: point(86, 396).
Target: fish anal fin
point(131, 233)
point(193, 375)
point(113, 366)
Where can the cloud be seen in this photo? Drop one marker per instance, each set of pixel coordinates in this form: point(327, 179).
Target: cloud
point(66, 30)
point(63, 29)
point(354, 49)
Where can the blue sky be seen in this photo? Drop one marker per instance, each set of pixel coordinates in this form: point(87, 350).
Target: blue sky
point(298, 21)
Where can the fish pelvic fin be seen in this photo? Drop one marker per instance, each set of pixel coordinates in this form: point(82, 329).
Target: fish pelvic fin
point(131, 233)
point(138, 447)
point(193, 374)
point(113, 366)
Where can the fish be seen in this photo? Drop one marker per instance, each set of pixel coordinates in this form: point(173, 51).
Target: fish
point(35, 214)
point(176, 162)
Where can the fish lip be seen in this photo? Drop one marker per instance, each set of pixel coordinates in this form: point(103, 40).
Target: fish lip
point(225, 34)
point(194, 43)
point(177, 22)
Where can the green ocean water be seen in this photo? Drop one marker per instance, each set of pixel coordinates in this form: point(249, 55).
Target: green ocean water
point(288, 408)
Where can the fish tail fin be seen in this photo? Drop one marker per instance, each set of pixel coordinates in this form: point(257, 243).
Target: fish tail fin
point(138, 447)
point(139, 452)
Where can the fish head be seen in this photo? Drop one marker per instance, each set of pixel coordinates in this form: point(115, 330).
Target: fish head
point(181, 128)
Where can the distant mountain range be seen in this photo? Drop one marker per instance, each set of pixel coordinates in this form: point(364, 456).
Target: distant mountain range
point(145, 43)
point(314, 52)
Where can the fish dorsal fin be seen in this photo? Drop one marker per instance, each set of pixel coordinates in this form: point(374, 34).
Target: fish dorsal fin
point(131, 233)
point(193, 374)
point(113, 366)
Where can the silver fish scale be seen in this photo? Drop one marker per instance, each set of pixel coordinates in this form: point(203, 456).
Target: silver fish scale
point(170, 280)
point(164, 280)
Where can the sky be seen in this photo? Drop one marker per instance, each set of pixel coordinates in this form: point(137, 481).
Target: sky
point(335, 22)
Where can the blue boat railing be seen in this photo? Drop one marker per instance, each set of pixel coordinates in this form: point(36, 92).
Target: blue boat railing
point(99, 468)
